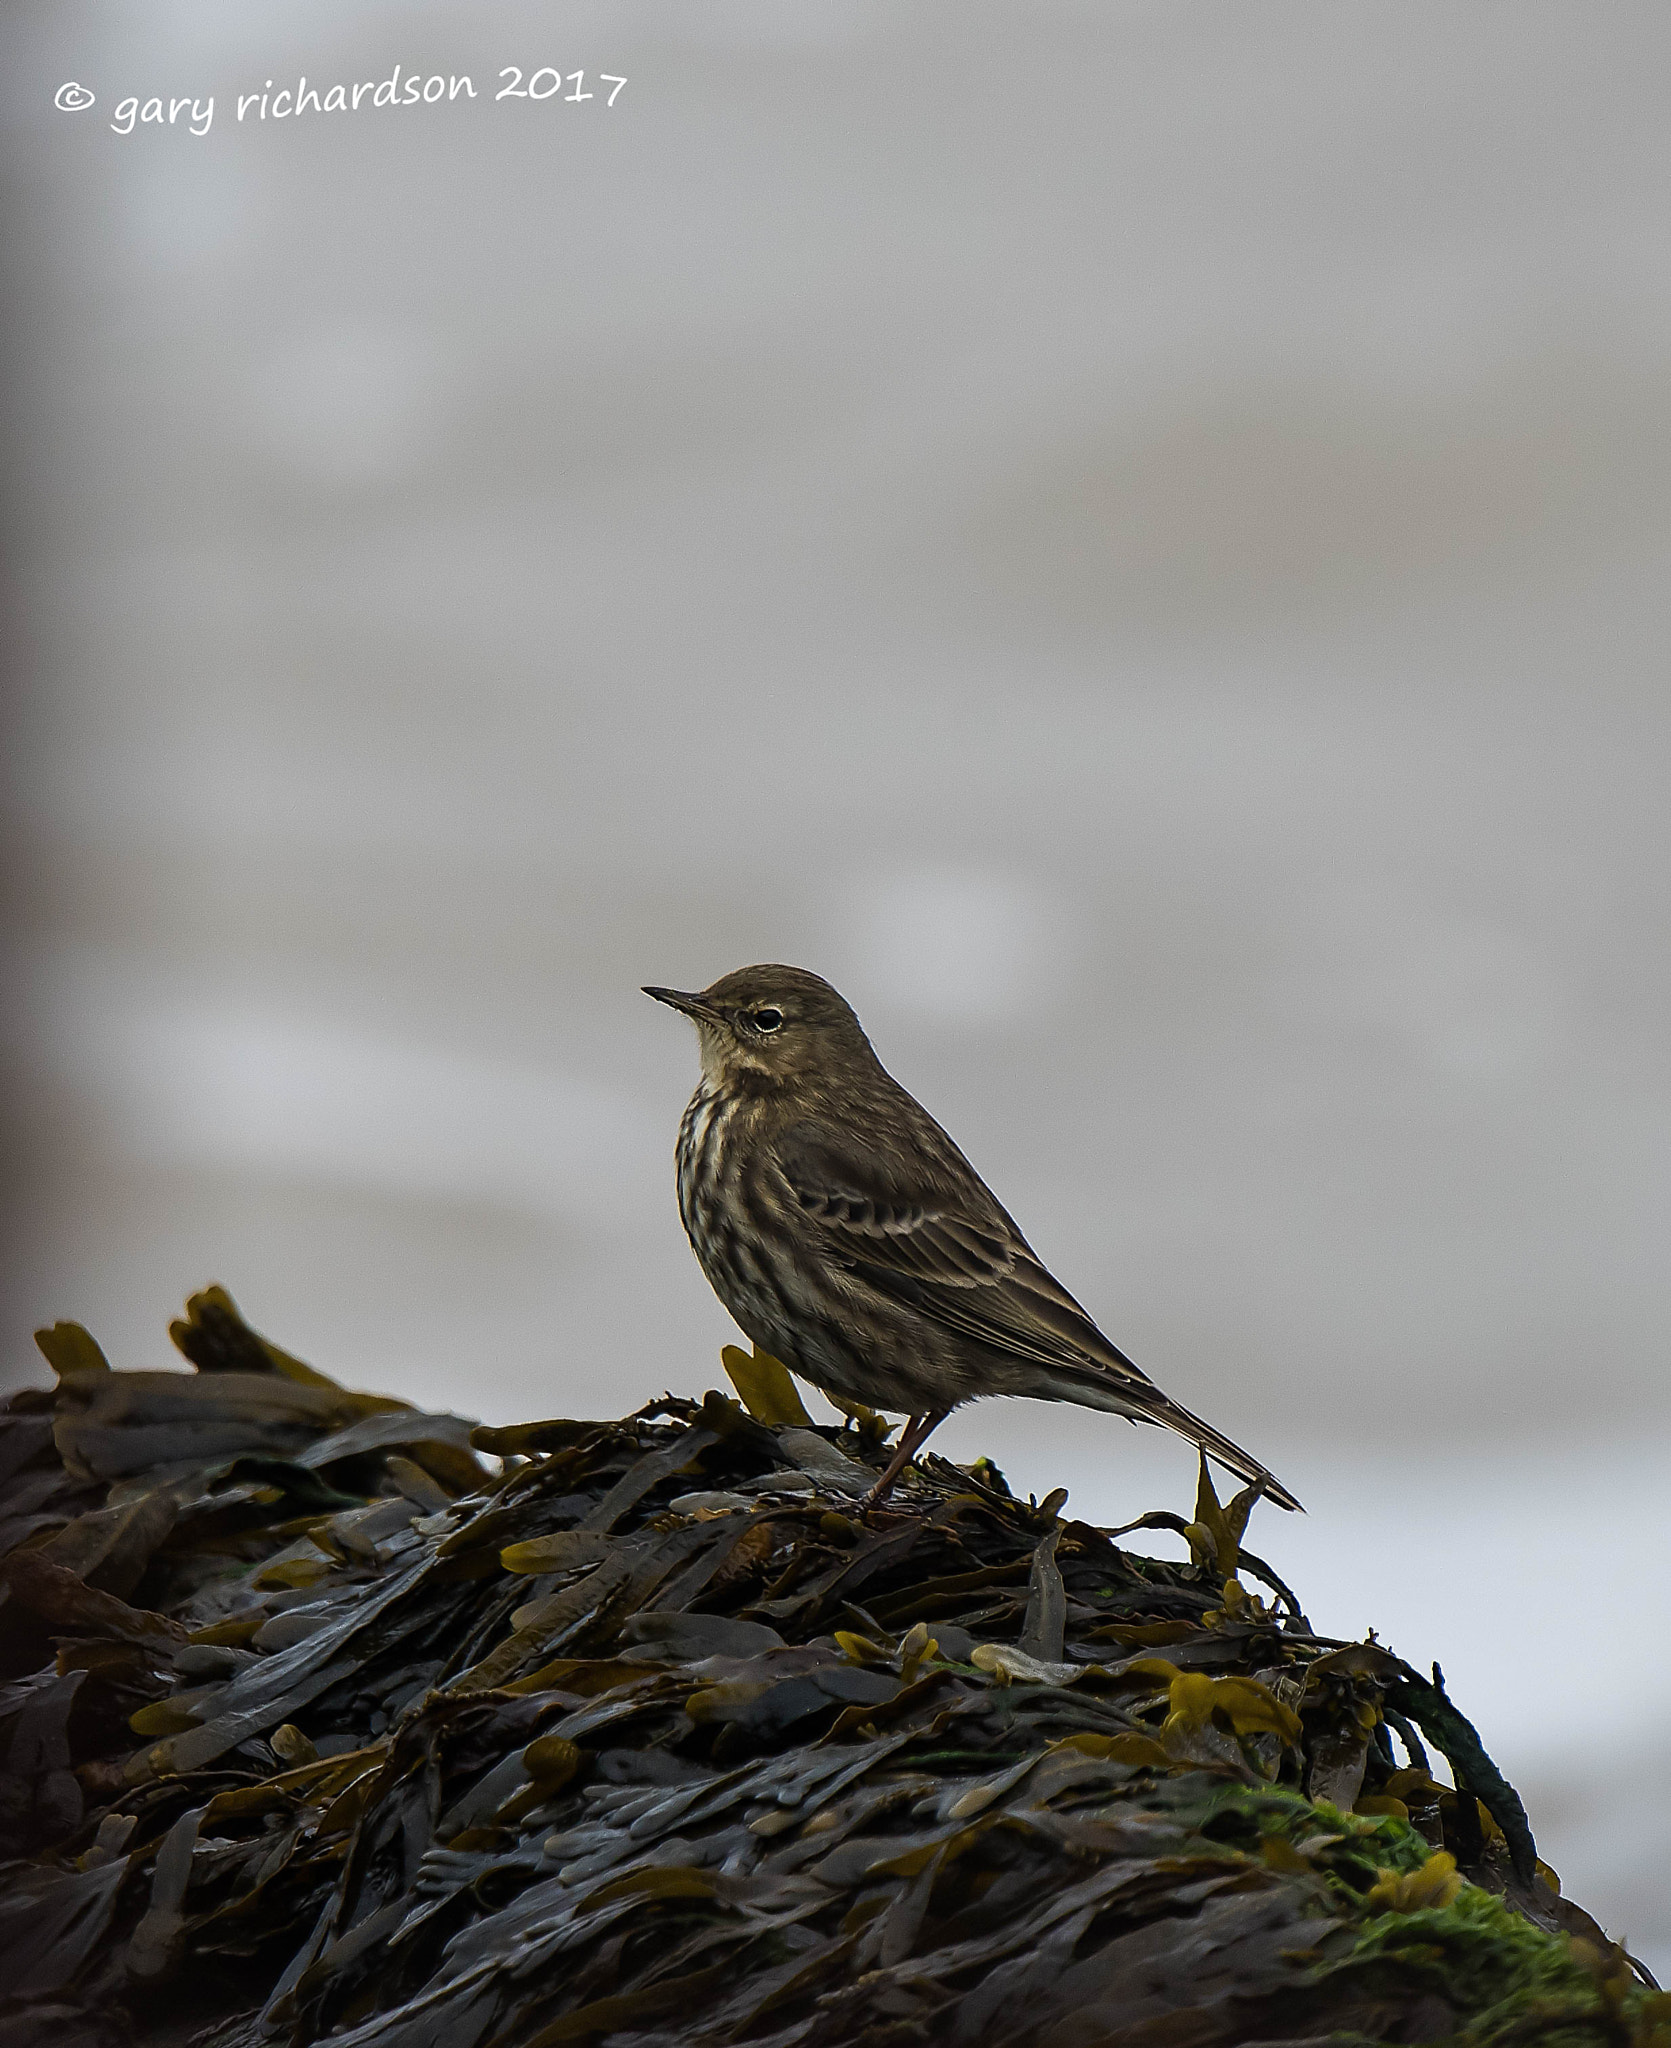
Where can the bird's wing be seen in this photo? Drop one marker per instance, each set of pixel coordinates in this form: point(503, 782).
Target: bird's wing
point(947, 1251)
point(930, 1235)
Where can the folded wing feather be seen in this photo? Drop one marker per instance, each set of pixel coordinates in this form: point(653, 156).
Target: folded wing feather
point(972, 1273)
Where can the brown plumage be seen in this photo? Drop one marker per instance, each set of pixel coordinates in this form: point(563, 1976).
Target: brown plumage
point(849, 1236)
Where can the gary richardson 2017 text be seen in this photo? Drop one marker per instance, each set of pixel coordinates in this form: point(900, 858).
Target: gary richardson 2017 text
point(394, 91)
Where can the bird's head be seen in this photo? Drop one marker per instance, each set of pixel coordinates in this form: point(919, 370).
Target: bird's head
point(777, 1024)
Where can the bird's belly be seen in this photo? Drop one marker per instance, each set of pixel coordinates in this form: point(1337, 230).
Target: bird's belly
point(743, 1277)
point(729, 1242)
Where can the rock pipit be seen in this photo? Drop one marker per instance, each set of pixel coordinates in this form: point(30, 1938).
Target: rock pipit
point(850, 1238)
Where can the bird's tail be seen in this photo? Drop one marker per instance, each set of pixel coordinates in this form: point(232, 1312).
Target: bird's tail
point(1143, 1401)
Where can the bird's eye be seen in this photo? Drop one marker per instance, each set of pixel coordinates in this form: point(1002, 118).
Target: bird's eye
point(767, 1020)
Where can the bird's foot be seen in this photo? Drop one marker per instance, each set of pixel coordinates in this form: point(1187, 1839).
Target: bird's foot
point(912, 1438)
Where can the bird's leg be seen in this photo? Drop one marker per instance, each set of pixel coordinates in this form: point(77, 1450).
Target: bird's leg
point(916, 1433)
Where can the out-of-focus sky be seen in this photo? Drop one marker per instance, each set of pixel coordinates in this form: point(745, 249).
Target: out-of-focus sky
point(1130, 536)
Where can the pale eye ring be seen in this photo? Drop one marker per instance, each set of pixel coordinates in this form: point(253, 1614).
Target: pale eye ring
point(767, 1020)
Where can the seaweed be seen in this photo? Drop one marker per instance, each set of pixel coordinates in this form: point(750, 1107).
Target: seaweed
point(323, 1717)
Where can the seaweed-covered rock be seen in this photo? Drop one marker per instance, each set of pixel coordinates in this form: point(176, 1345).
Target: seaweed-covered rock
point(325, 1717)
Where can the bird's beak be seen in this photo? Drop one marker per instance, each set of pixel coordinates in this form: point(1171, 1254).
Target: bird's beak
point(693, 1006)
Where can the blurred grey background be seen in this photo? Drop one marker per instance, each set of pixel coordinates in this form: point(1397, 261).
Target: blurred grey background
point(1130, 536)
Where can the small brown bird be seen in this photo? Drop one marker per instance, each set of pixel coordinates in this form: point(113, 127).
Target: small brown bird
point(849, 1236)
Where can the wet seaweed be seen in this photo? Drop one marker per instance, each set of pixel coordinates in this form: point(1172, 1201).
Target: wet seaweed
point(323, 1717)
